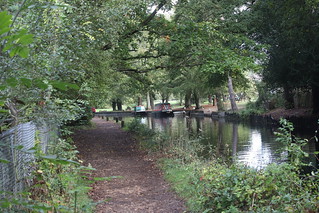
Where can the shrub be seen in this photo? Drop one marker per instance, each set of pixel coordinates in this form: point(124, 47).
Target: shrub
point(58, 183)
point(276, 188)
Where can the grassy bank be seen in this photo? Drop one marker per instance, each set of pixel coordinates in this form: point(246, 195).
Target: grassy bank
point(211, 185)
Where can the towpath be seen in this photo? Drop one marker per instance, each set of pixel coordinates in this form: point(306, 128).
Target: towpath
point(113, 152)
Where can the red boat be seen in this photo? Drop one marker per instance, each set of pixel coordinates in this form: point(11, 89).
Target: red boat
point(163, 109)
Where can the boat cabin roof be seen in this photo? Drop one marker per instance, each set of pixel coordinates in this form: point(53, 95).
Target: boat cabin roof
point(162, 104)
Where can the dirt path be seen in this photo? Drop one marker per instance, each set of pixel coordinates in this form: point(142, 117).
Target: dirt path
point(113, 152)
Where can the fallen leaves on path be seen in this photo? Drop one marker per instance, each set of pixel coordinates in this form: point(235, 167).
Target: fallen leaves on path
point(113, 152)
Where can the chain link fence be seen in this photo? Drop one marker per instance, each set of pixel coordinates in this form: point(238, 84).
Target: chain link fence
point(15, 156)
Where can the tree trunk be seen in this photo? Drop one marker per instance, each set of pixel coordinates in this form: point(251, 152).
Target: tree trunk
point(197, 100)
point(119, 105)
point(232, 94)
point(163, 97)
point(166, 98)
point(152, 97)
point(188, 99)
point(289, 97)
point(114, 105)
point(180, 99)
point(148, 98)
point(139, 101)
point(219, 100)
point(210, 99)
point(315, 99)
point(214, 101)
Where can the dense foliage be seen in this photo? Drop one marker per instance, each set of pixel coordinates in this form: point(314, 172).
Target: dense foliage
point(57, 182)
point(290, 29)
point(58, 58)
point(212, 185)
point(123, 51)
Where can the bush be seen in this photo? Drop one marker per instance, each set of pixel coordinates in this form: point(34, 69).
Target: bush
point(148, 138)
point(251, 109)
point(58, 183)
point(276, 188)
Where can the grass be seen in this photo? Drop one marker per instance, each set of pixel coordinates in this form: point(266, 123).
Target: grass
point(180, 176)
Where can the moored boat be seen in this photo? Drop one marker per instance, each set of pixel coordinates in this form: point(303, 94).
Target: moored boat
point(139, 110)
point(163, 109)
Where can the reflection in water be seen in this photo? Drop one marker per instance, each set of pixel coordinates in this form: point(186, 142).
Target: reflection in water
point(235, 140)
point(219, 146)
point(256, 153)
point(253, 146)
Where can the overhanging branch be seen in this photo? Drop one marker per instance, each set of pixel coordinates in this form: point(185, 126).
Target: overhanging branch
point(147, 20)
point(156, 68)
point(144, 57)
point(141, 25)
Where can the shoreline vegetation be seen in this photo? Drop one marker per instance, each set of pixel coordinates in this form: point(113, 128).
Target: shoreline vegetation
point(213, 185)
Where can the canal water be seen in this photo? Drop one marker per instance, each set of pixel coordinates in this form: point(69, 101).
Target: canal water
point(255, 146)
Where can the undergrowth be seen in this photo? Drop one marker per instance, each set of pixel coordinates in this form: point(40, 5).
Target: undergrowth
point(57, 183)
point(211, 185)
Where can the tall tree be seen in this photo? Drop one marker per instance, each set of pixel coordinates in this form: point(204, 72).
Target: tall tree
point(211, 36)
point(291, 29)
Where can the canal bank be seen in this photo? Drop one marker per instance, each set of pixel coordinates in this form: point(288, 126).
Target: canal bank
point(250, 141)
point(211, 184)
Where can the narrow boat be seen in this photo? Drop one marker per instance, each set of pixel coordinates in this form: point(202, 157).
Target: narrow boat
point(163, 109)
point(139, 110)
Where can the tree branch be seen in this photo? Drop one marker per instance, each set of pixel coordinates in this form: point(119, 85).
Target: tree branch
point(147, 20)
point(141, 25)
point(156, 68)
point(143, 56)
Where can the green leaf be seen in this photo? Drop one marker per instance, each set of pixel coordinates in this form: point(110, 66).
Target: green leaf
point(4, 111)
point(13, 82)
point(59, 85)
point(5, 204)
point(27, 82)
point(66, 161)
point(40, 84)
point(19, 147)
point(14, 52)
point(4, 30)
point(5, 20)
point(50, 157)
point(23, 52)
point(40, 207)
point(73, 86)
point(7, 47)
point(25, 39)
point(63, 161)
point(4, 161)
